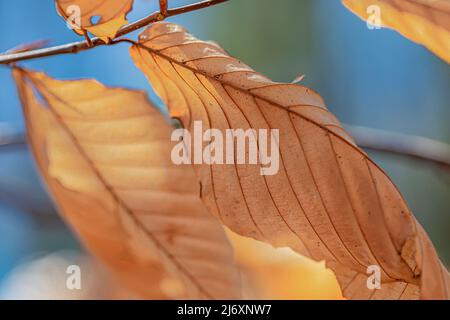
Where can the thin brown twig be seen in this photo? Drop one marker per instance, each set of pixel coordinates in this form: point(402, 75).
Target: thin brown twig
point(163, 7)
point(88, 39)
point(95, 42)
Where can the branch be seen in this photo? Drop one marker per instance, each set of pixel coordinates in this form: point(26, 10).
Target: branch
point(95, 42)
point(163, 6)
point(417, 148)
point(10, 136)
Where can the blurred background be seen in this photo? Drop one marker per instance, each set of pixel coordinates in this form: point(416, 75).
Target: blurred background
point(372, 78)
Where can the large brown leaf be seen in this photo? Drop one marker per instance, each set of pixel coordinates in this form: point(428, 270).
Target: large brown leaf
point(328, 200)
point(105, 155)
point(424, 21)
point(111, 15)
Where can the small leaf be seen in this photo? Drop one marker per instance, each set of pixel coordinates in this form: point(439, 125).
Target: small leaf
point(423, 21)
point(105, 156)
point(328, 200)
point(102, 18)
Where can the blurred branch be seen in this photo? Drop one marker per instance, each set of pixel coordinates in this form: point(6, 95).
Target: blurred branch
point(41, 208)
point(95, 42)
point(10, 136)
point(418, 148)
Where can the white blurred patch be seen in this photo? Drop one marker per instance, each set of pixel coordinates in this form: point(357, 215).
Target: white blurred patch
point(46, 278)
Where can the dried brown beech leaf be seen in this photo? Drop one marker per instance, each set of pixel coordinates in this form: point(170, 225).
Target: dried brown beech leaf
point(81, 15)
point(424, 21)
point(328, 199)
point(105, 155)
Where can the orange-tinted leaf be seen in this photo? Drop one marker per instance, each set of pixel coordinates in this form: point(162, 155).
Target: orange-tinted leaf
point(328, 199)
point(424, 21)
point(105, 155)
point(280, 273)
point(82, 15)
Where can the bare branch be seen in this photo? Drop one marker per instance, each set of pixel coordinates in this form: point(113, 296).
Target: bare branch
point(414, 147)
point(417, 148)
point(10, 136)
point(193, 7)
point(95, 42)
point(88, 39)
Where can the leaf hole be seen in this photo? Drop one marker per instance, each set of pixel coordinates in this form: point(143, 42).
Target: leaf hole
point(95, 19)
point(176, 122)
